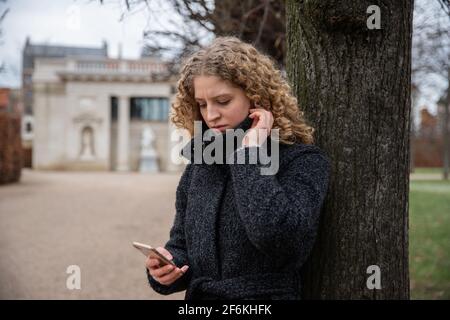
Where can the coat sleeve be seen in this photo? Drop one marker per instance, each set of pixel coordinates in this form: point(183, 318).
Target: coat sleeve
point(176, 245)
point(281, 212)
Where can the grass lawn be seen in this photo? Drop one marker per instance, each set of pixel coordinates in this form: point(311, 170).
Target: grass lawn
point(429, 250)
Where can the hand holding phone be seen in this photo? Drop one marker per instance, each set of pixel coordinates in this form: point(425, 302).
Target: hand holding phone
point(151, 252)
point(160, 265)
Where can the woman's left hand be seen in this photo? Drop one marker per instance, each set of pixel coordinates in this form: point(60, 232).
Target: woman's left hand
point(260, 129)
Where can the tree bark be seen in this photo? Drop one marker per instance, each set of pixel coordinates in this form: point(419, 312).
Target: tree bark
point(354, 86)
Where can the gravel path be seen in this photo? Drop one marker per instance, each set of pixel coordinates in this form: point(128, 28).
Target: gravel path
point(51, 220)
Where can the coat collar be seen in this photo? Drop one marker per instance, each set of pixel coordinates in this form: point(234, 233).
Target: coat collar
point(188, 151)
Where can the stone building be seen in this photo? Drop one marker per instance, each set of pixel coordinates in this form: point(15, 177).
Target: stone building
point(89, 111)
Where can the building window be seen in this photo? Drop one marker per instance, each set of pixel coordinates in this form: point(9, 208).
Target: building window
point(114, 111)
point(29, 127)
point(153, 109)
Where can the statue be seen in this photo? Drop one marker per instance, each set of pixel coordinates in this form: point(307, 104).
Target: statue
point(87, 144)
point(148, 158)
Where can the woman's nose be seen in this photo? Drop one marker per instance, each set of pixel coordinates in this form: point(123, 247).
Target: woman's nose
point(212, 114)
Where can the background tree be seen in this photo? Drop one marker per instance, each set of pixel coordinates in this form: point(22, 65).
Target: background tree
point(431, 60)
point(3, 13)
point(354, 86)
point(195, 22)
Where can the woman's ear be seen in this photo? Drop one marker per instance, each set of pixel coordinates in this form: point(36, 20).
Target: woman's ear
point(256, 104)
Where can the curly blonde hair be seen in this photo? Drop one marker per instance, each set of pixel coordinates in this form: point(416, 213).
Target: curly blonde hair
point(243, 66)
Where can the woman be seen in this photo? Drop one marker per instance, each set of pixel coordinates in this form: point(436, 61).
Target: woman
point(238, 234)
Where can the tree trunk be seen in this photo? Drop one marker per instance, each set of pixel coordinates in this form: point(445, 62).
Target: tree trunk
point(354, 87)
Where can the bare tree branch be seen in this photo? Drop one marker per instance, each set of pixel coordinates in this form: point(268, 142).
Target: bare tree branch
point(445, 5)
point(263, 21)
point(203, 19)
point(2, 18)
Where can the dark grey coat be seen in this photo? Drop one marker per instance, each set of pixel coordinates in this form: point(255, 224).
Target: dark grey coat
point(245, 235)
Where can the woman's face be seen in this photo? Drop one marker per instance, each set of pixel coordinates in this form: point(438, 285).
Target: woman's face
point(221, 104)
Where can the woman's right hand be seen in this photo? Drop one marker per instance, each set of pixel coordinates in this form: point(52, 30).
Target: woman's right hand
point(165, 275)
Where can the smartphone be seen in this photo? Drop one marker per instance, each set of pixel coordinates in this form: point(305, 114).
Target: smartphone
point(153, 253)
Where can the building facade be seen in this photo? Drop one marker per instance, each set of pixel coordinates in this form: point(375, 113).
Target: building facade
point(90, 112)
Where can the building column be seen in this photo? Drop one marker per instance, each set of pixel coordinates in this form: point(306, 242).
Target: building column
point(123, 136)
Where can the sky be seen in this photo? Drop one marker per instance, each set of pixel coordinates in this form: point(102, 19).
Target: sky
point(74, 23)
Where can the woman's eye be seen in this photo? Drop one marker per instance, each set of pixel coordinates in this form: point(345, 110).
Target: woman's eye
point(223, 102)
point(202, 105)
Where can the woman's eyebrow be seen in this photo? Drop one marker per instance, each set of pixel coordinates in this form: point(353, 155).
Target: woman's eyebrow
point(218, 96)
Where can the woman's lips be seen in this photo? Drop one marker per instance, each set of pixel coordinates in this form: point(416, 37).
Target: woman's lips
point(220, 128)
